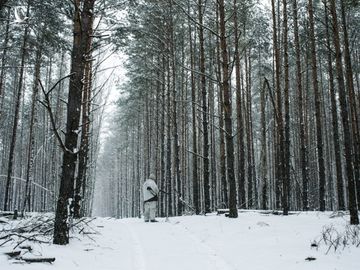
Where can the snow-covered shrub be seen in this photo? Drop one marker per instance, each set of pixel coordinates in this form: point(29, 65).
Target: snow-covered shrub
point(335, 239)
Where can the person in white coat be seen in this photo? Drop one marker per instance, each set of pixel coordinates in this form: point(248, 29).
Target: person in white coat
point(150, 192)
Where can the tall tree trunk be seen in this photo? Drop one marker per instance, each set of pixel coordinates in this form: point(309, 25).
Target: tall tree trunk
point(16, 114)
point(335, 126)
point(82, 20)
point(3, 63)
point(195, 180)
point(278, 110)
point(233, 213)
point(263, 156)
point(175, 116)
point(206, 172)
point(354, 218)
point(163, 137)
point(169, 187)
point(31, 143)
point(239, 115)
point(55, 154)
point(318, 117)
point(286, 143)
point(222, 157)
point(85, 125)
point(249, 135)
point(303, 150)
point(352, 101)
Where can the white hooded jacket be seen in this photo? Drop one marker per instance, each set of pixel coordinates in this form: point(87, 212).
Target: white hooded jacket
point(152, 192)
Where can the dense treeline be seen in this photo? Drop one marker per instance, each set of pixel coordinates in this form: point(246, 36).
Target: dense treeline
point(32, 51)
point(237, 104)
point(51, 104)
point(232, 104)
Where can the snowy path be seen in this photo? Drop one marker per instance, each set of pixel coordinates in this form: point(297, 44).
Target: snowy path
point(166, 245)
point(252, 242)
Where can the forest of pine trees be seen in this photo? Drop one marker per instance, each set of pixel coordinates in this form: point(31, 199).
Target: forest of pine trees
point(231, 104)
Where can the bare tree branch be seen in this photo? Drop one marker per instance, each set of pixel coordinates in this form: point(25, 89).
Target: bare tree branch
point(47, 104)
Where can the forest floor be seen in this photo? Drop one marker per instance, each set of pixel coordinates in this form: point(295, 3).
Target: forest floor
point(256, 241)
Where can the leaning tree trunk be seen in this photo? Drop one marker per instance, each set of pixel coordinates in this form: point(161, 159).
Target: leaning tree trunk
point(82, 21)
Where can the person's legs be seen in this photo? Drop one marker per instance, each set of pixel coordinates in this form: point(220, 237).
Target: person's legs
point(152, 210)
point(147, 211)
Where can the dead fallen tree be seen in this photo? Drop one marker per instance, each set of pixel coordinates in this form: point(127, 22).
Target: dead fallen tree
point(17, 236)
point(16, 254)
point(38, 260)
point(9, 214)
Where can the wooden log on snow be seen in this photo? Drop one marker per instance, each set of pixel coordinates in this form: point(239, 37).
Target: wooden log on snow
point(6, 213)
point(222, 211)
point(13, 254)
point(3, 220)
point(38, 260)
point(29, 248)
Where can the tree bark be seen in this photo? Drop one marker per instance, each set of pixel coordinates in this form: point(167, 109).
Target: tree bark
point(195, 180)
point(280, 163)
point(82, 21)
point(286, 143)
point(31, 143)
point(318, 116)
point(206, 173)
point(82, 175)
point(335, 126)
point(352, 101)
point(239, 115)
point(344, 111)
point(3, 63)
point(303, 150)
point(233, 213)
point(16, 114)
point(263, 155)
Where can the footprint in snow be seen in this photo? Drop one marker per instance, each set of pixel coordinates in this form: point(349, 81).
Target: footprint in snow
point(262, 224)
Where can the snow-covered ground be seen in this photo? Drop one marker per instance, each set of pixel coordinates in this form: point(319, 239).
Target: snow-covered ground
point(254, 241)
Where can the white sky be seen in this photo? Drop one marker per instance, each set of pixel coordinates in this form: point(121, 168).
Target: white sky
point(114, 70)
